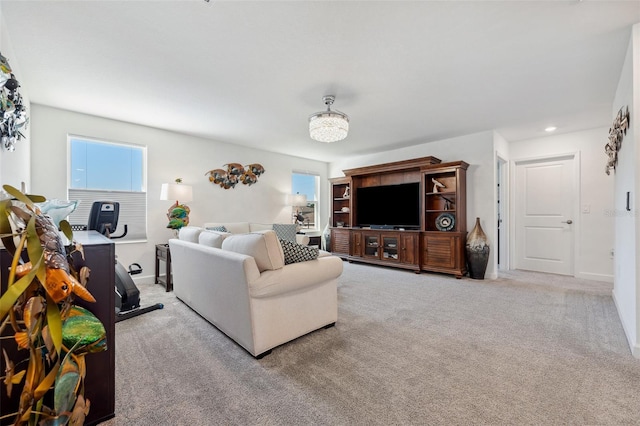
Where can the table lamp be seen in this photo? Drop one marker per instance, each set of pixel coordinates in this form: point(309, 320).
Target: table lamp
point(298, 200)
point(178, 214)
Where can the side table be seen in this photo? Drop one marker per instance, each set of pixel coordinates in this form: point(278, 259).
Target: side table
point(163, 253)
point(315, 238)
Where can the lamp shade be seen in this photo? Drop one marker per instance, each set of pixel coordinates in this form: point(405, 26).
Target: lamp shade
point(176, 191)
point(297, 200)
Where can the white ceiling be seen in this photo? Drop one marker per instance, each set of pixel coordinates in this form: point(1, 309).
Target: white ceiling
point(251, 72)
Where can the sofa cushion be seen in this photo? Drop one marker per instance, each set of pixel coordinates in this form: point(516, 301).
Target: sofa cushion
point(189, 233)
point(220, 228)
point(286, 231)
point(256, 227)
point(233, 227)
point(212, 238)
point(264, 247)
point(294, 252)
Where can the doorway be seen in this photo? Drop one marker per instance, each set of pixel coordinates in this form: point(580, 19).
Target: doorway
point(546, 196)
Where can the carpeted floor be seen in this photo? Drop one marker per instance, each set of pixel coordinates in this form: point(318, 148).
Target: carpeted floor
point(407, 349)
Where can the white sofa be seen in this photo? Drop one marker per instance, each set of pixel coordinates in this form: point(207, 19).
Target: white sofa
point(240, 284)
point(246, 227)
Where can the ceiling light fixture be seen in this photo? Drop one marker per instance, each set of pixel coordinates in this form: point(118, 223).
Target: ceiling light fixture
point(328, 126)
point(550, 129)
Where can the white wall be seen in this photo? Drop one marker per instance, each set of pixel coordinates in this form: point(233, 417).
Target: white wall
point(626, 290)
point(594, 230)
point(170, 155)
point(15, 167)
point(477, 150)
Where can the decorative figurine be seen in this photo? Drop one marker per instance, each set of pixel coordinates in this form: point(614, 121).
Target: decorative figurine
point(436, 185)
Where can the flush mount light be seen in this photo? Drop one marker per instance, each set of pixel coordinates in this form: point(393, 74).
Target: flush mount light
point(328, 126)
point(550, 129)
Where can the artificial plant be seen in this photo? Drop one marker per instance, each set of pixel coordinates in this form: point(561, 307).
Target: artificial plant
point(51, 335)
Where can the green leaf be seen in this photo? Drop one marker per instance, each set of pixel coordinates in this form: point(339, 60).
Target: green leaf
point(55, 323)
point(11, 295)
point(66, 229)
point(48, 381)
point(41, 272)
point(36, 198)
point(33, 242)
point(5, 227)
point(15, 193)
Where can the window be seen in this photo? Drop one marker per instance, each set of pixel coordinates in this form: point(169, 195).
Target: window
point(107, 171)
point(309, 185)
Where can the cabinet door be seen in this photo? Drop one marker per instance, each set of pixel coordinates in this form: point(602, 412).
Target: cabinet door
point(439, 251)
point(340, 241)
point(356, 244)
point(409, 248)
point(371, 245)
point(390, 247)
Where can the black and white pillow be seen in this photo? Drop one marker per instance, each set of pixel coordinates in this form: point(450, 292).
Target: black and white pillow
point(294, 252)
point(221, 228)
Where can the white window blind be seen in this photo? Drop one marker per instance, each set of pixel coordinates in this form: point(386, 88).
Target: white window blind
point(133, 210)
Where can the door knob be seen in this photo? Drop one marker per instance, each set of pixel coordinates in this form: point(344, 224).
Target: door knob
point(568, 222)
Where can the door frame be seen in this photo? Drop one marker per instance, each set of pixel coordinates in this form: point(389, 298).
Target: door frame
point(575, 156)
point(503, 257)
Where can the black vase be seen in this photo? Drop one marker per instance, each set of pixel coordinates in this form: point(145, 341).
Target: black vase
point(477, 250)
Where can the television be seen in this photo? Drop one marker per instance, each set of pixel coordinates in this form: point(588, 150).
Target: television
point(396, 206)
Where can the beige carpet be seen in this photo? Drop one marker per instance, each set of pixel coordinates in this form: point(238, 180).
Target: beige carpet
point(407, 349)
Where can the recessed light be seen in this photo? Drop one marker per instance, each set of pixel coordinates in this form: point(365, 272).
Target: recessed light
point(550, 129)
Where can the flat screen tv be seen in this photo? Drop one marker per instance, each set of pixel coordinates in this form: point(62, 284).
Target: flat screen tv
point(391, 205)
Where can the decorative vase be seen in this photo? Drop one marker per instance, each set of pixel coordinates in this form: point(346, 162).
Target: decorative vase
point(326, 238)
point(477, 250)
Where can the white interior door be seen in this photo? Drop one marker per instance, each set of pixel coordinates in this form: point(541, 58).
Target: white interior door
point(545, 200)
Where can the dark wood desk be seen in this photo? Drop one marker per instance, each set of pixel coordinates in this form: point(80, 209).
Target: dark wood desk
point(100, 383)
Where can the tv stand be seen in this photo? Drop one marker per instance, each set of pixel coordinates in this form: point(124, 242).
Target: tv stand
point(436, 246)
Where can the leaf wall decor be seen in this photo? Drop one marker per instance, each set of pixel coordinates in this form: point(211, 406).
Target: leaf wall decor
point(235, 173)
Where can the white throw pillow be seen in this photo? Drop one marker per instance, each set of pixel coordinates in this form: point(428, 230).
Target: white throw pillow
point(264, 247)
point(189, 233)
point(212, 238)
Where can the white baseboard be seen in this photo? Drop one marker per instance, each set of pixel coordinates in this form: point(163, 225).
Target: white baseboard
point(635, 351)
point(595, 277)
point(143, 278)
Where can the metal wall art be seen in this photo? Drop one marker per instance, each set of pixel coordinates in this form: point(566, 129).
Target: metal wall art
point(616, 133)
point(235, 172)
point(13, 114)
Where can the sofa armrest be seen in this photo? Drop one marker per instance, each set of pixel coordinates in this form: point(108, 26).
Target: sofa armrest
point(296, 276)
point(214, 283)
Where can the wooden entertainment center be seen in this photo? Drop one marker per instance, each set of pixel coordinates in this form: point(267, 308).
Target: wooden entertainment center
point(436, 244)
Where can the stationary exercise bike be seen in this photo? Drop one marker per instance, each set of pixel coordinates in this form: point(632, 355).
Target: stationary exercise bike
point(104, 219)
